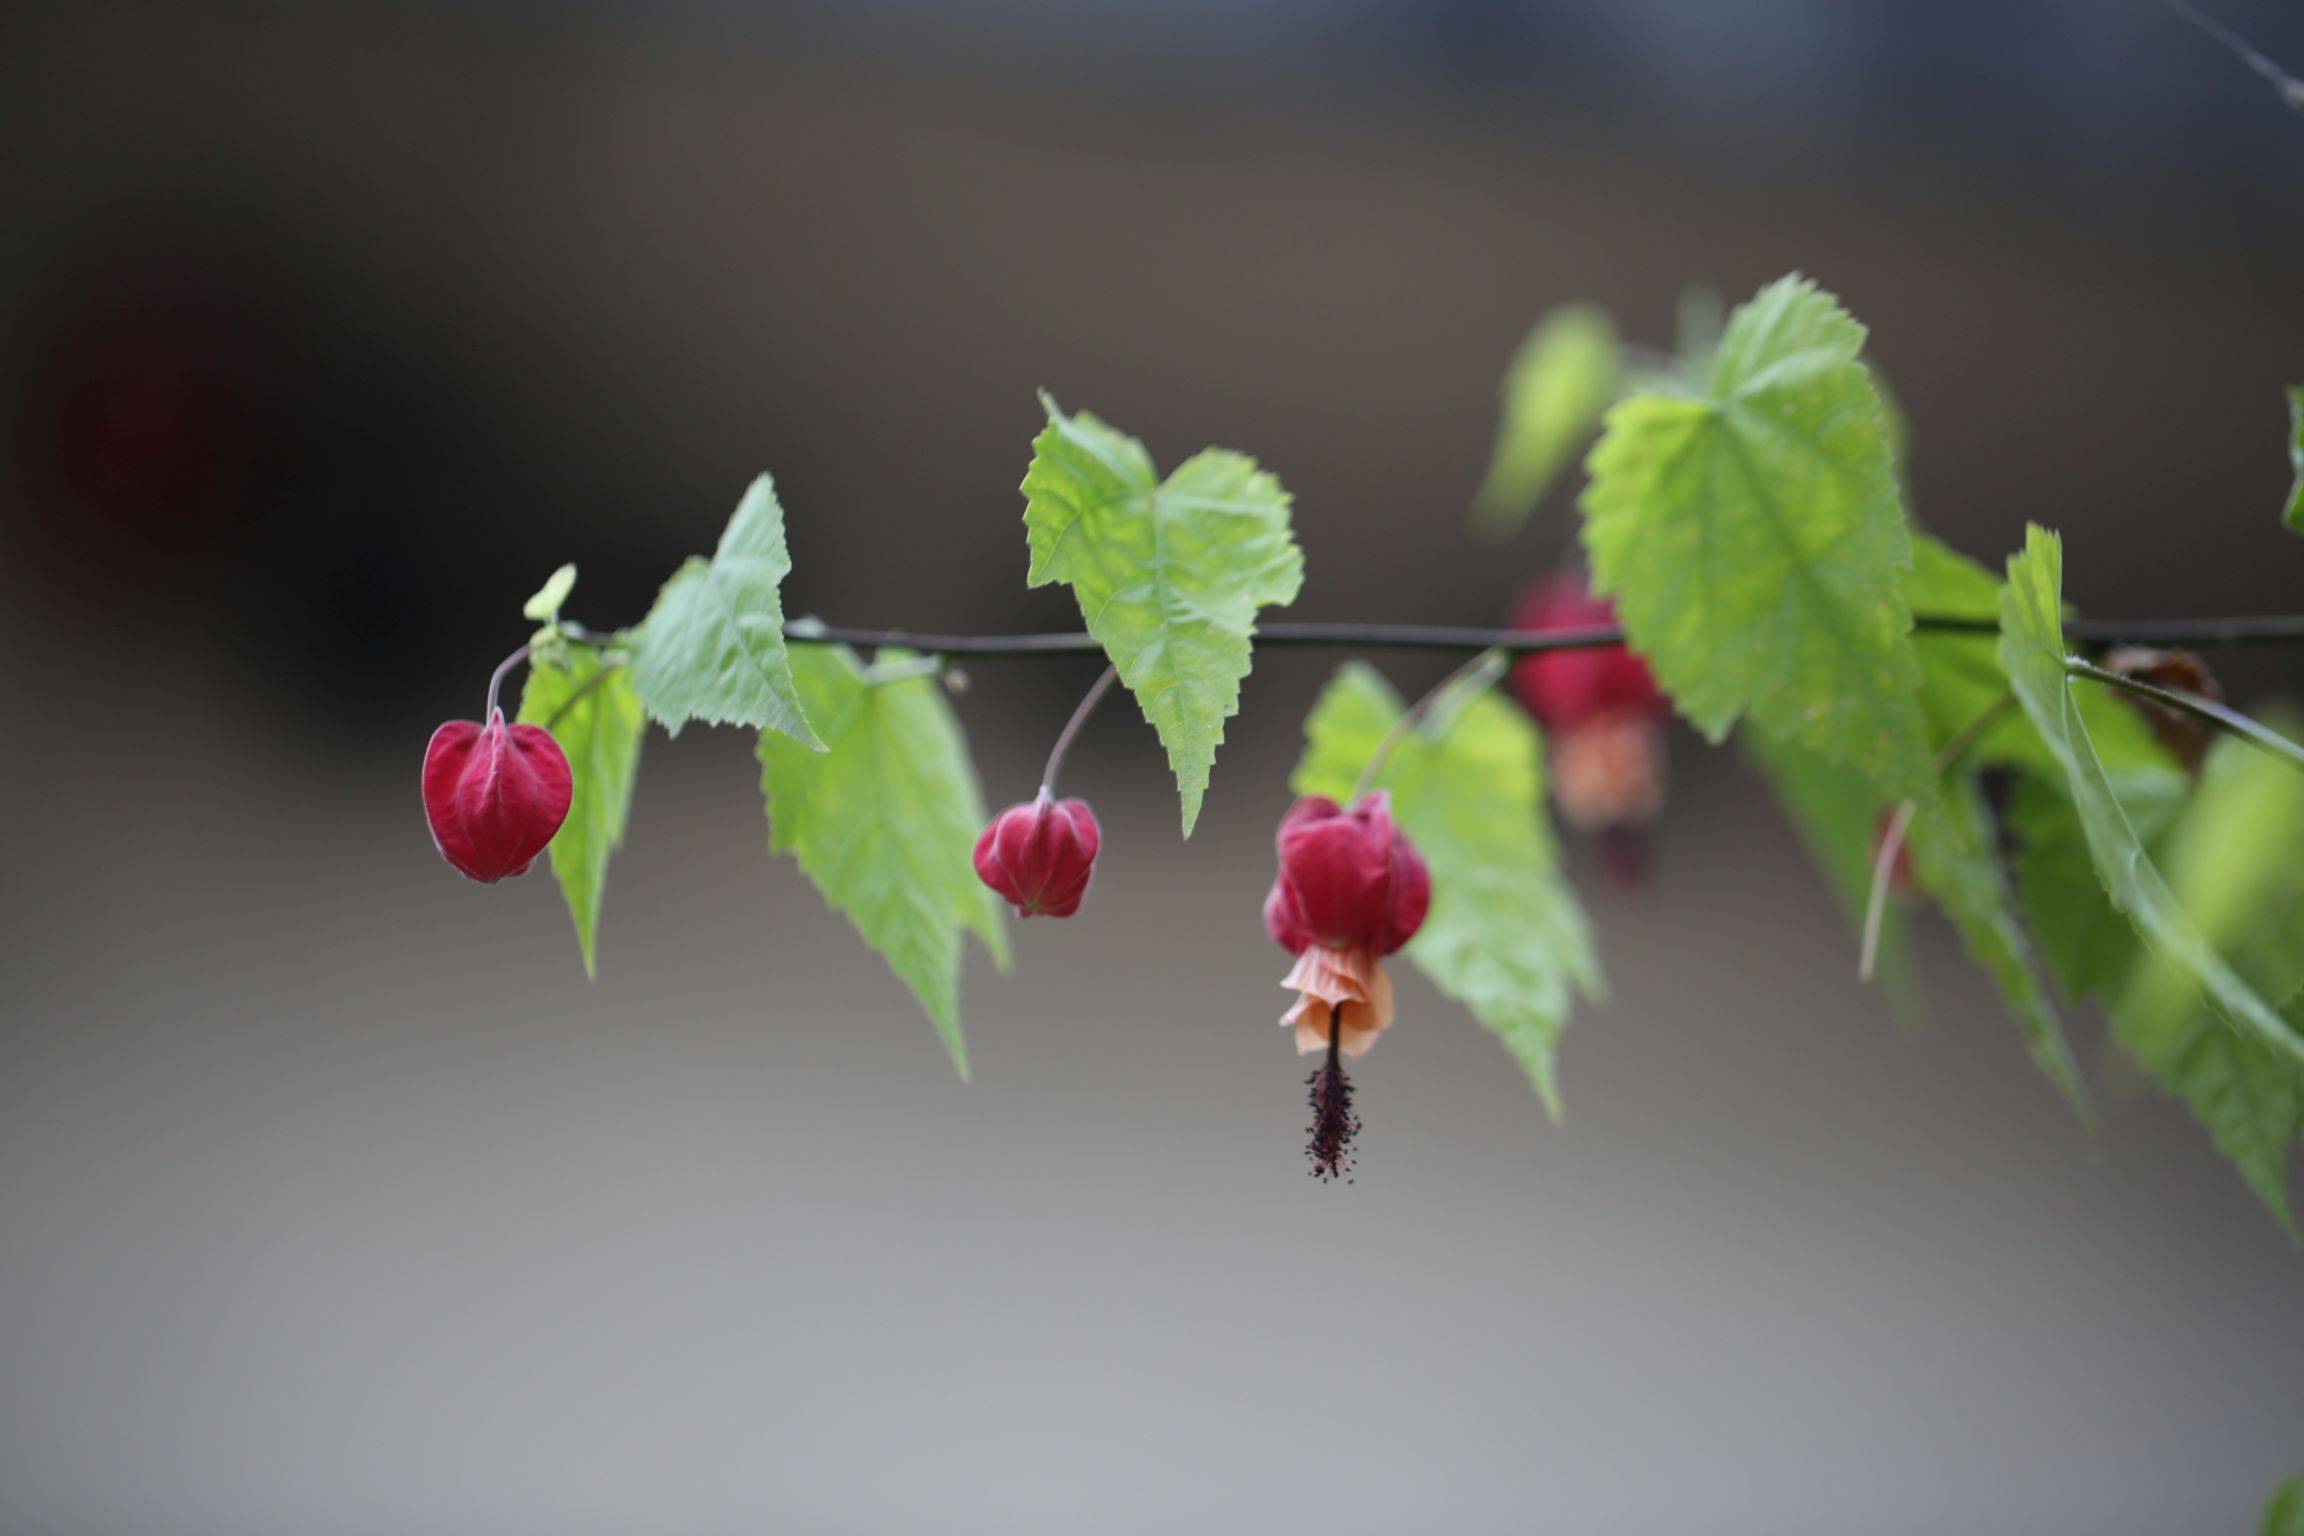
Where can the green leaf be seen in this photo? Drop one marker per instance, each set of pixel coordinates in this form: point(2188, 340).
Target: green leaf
point(1505, 936)
point(2032, 652)
point(2087, 943)
point(2284, 1515)
point(544, 607)
point(712, 648)
point(2294, 516)
point(591, 710)
point(1754, 542)
point(1955, 859)
point(884, 820)
point(1169, 574)
point(1837, 813)
point(1960, 677)
point(1560, 382)
point(2231, 861)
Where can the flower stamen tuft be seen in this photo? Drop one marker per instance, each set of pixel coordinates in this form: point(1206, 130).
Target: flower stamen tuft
point(1333, 1123)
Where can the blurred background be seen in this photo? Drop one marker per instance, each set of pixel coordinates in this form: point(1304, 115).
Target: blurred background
point(333, 1199)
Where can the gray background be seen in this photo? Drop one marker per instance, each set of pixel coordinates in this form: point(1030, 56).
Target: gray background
point(333, 1199)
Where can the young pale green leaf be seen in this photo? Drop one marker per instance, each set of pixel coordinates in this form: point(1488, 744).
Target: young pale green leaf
point(2231, 861)
point(2032, 652)
point(712, 648)
point(1560, 382)
point(1754, 542)
point(1955, 859)
point(884, 819)
point(1505, 936)
point(1169, 574)
point(544, 607)
point(2294, 515)
point(591, 710)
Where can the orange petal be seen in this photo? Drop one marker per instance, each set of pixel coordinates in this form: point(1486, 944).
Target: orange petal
point(1328, 979)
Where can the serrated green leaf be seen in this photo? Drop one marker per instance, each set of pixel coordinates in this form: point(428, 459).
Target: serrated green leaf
point(883, 821)
point(2294, 515)
point(2032, 652)
point(712, 648)
point(1560, 382)
point(1754, 543)
point(544, 607)
point(1955, 859)
point(2231, 861)
point(1505, 936)
point(2284, 1512)
point(1961, 680)
point(591, 710)
point(1169, 574)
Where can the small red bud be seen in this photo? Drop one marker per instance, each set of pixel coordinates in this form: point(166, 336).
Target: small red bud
point(494, 795)
point(1040, 855)
point(1348, 879)
point(1563, 689)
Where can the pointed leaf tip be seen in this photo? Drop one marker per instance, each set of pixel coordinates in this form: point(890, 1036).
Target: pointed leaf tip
point(712, 648)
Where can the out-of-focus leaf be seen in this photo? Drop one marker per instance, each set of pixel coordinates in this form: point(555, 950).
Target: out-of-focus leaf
point(2294, 515)
point(1169, 574)
point(2032, 652)
point(1956, 860)
point(1505, 936)
point(2284, 1514)
point(1560, 382)
point(544, 607)
point(2087, 943)
point(1838, 814)
point(2231, 860)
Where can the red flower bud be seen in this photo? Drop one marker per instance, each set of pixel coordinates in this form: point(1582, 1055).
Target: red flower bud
point(494, 795)
point(1040, 855)
point(1348, 879)
point(1563, 689)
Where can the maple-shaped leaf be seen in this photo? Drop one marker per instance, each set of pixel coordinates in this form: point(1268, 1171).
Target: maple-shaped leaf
point(1754, 542)
point(1169, 573)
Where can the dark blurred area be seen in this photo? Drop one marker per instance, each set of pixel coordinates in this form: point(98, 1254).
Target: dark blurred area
point(327, 331)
